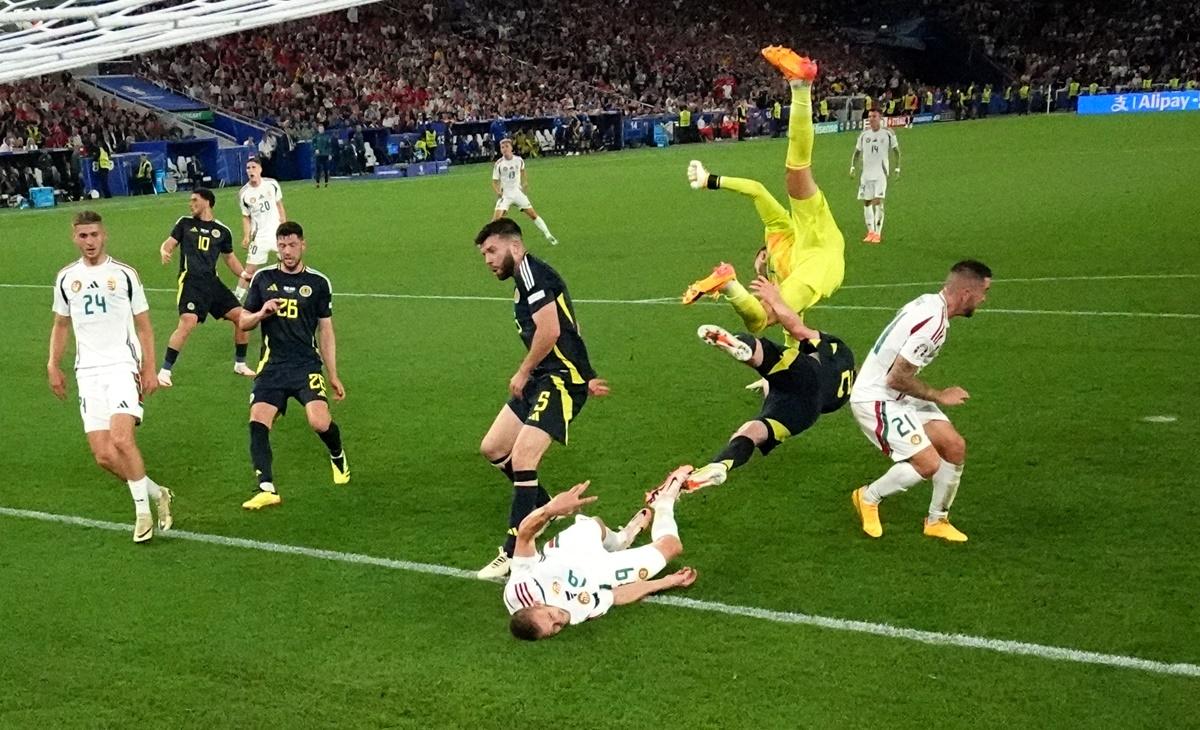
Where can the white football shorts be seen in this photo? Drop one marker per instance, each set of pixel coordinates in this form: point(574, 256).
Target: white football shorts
point(897, 428)
point(106, 392)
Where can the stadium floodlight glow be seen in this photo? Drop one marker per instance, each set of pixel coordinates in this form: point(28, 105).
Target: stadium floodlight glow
point(43, 36)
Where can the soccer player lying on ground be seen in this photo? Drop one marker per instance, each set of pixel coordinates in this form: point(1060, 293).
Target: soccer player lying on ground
point(805, 249)
point(587, 569)
point(801, 382)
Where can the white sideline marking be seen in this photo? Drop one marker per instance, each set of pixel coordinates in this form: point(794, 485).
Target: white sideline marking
point(1021, 648)
point(1160, 419)
point(848, 307)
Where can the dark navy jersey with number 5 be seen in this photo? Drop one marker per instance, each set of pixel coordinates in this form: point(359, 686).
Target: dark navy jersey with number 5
point(538, 286)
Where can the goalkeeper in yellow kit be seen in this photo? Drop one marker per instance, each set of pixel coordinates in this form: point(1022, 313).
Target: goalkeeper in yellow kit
point(804, 248)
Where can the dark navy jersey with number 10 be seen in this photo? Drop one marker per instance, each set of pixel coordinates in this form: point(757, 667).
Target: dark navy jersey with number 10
point(201, 243)
point(289, 337)
point(538, 285)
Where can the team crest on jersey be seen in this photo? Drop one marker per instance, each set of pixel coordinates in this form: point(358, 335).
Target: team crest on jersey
point(216, 233)
point(191, 307)
point(76, 286)
point(112, 284)
point(306, 291)
point(556, 587)
point(585, 598)
point(643, 574)
point(916, 439)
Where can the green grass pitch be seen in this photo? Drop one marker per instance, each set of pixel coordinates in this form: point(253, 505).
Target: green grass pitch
point(1081, 514)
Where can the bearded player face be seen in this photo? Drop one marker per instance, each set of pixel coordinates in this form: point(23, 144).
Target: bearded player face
point(497, 253)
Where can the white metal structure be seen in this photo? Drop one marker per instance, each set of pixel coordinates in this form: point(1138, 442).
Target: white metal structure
point(44, 36)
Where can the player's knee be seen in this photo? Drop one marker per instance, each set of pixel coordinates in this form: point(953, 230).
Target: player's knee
point(670, 546)
point(954, 450)
point(490, 449)
point(926, 462)
point(106, 457)
point(320, 421)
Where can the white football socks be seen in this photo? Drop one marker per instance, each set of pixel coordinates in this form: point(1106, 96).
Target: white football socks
point(945, 486)
point(897, 479)
point(541, 226)
point(141, 501)
point(869, 216)
point(153, 489)
point(879, 217)
point(664, 521)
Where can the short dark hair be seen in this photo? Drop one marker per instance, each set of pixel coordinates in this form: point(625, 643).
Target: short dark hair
point(255, 160)
point(291, 228)
point(207, 195)
point(973, 268)
point(506, 227)
point(86, 218)
point(522, 626)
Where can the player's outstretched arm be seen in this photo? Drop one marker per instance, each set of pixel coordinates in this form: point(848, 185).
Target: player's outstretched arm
point(145, 335)
point(328, 344)
point(58, 345)
point(854, 159)
point(245, 231)
point(282, 210)
point(780, 312)
point(634, 592)
point(563, 504)
point(167, 248)
point(903, 377)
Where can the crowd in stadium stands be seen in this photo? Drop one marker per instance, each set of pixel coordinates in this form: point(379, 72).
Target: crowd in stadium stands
point(399, 64)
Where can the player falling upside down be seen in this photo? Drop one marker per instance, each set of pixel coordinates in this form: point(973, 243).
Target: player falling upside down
point(202, 240)
point(587, 569)
point(551, 385)
point(805, 249)
point(103, 301)
point(294, 305)
point(511, 184)
point(802, 382)
point(875, 145)
point(899, 413)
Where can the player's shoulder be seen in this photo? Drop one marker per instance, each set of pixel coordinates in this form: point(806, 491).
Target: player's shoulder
point(318, 277)
point(218, 224)
point(182, 220)
point(124, 267)
point(265, 273)
point(536, 270)
point(68, 269)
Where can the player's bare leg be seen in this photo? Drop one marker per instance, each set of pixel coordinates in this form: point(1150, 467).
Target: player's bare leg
point(527, 450)
point(322, 423)
point(262, 417)
point(241, 342)
point(951, 446)
point(540, 223)
point(183, 330)
point(116, 451)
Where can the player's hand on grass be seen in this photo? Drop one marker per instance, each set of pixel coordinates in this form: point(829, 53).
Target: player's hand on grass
point(58, 382)
point(682, 578)
point(952, 396)
point(339, 390)
point(570, 501)
point(516, 384)
point(598, 386)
